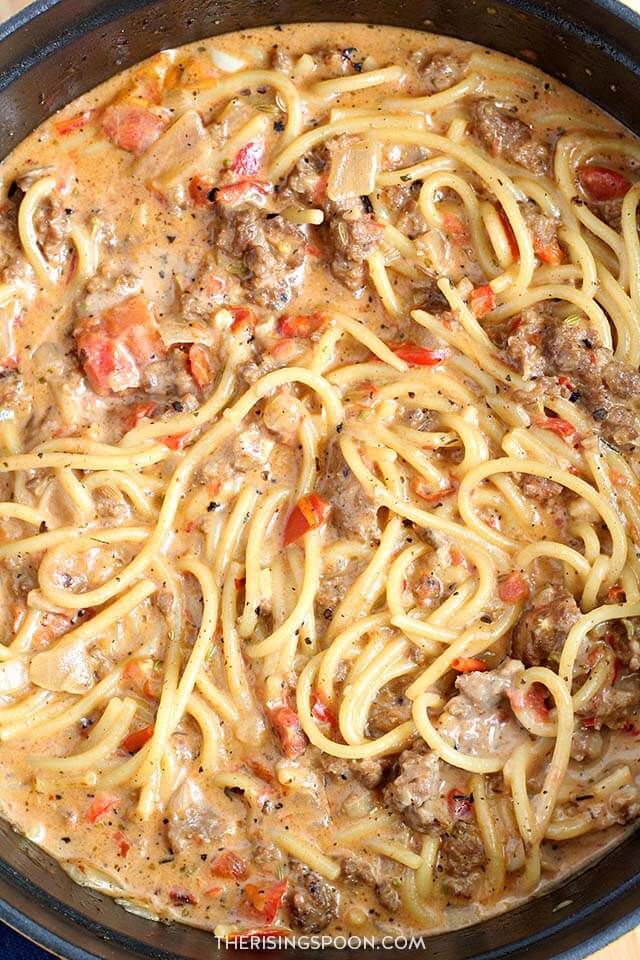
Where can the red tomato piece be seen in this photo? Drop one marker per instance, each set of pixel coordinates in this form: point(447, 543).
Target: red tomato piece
point(182, 897)
point(533, 700)
point(287, 726)
point(309, 512)
point(322, 713)
point(131, 127)
point(460, 805)
point(138, 412)
point(136, 740)
point(175, 442)
point(549, 252)
point(200, 188)
point(229, 866)
point(116, 345)
point(123, 844)
point(300, 325)
point(508, 229)
point(71, 124)
point(616, 594)
point(482, 300)
point(602, 183)
point(242, 190)
point(513, 588)
point(454, 227)
point(266, 901)
point(468, 664)
point(248, 159)
point(558, 425)
point(243, 318)
point(103, 803)
point(200, 364)
point(419, 356)
point(430, 496)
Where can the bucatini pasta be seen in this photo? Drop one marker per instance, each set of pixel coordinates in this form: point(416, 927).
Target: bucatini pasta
point(319, 516)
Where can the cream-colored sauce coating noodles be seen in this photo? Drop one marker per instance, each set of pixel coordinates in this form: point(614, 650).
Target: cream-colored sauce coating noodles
point(319, 511)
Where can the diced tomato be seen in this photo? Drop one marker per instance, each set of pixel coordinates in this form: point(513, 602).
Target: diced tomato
point(213, 891)
point(618, 479)
point(131, 127)
point(558, 425)
point(508, 229)
point(229, 866)
point(138, 412)
point(419, 356)
point(602, 183)
point(137, 671)
point(116, 345)
point(482, 300)
point(549, 252)
point(313, 250)
point(239, 582)
point(72, 124)
point(308, 514)
point(616, 594)
point(243, 318)
point(468, 664)
point(242, 190)
point(322, 713)
point(534, 700)
point(430, 496)
point(248, 159)
point(136, 740)
point(182, 897)
point(287, 726)
point(454, 227)
point(300, 325)
point(123, 844)
point(458, 558)
point(103, 803)
point(266, 901)
point(631, 728)
point(176, 441)
point(320, 189)
point(460, 805)
point(261, 769)
point(200, 365)
point(200, 188)
point(513, 588)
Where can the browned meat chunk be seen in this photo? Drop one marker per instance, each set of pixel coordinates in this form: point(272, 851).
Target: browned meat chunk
point(438, 71)
point(349, 232)
point(479, 720)
point(420, 790)
point(388, 894)
point(370, 773)
point(389, 709)
point(524, 344)
point(624, 638)
point(539, 488)
point(358, 870)
point(616, 706)
point(191, 820)
point(540, 633)
point(586, 745)
point(268, 250)
point(353, 514)
point(506, 135)
point(336, 62)
point(313, 902)
point(352, 239)
point(462, 859)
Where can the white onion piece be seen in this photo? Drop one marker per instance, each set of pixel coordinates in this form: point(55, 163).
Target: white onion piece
point(353, 170)
point(13, 676)
point(66, 668)
point(226, 61)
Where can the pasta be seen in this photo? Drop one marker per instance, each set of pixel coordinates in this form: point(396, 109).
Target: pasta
point(319, 519)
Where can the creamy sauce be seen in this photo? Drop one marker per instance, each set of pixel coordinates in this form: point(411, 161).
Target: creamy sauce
point(152, 230)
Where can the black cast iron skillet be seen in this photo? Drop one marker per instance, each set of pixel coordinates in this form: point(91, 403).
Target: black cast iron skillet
point(54, 51)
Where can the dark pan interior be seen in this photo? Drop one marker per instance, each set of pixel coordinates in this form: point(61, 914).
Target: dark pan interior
point(53, 52)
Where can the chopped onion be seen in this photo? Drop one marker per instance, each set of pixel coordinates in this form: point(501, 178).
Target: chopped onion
point(66, 668)
point(304, 65)
point(13, 676)
point(353, 170)
point(226, 61)
point(183, 148)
